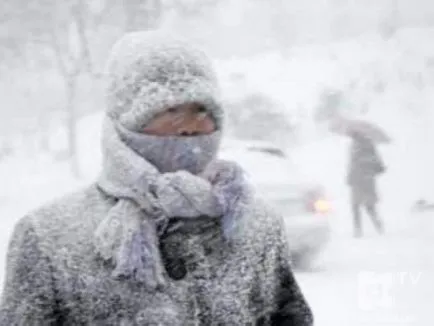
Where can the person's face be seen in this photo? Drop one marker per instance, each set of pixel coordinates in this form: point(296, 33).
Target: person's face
point(190, 119)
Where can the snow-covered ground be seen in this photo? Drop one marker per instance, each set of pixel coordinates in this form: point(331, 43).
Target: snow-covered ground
point(376, 281)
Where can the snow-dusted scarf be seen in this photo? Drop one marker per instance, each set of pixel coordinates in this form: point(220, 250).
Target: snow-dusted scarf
point(147, 199)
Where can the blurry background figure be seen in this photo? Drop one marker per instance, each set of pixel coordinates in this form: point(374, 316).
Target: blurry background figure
point(365, 165)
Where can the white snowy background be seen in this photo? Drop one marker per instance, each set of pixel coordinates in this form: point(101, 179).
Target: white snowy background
point(348, 288)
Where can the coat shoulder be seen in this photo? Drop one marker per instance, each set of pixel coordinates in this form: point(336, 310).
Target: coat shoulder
point(265, 216)
point(68, 217)
point(265, 223)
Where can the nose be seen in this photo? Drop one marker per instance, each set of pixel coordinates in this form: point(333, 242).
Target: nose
point(189, 133)
point(195, 124)
point(190, 129)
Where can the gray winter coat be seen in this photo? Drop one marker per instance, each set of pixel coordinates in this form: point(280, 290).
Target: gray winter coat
point(54, 278)
point(56, 274)
point(364, 166)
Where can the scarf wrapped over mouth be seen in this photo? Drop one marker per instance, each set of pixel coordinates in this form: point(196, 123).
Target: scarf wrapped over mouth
point(146, 199)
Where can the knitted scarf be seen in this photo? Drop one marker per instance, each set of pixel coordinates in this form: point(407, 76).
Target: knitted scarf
point(147, 198)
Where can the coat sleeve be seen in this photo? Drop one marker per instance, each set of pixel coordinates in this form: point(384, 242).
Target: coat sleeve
point(28, 296)
point(292, 307)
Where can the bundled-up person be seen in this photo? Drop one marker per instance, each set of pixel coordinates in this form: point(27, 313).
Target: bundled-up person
point(168, 234)
point(365, 166)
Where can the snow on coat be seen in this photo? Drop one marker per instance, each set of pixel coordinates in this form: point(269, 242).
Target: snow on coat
point(55, 277)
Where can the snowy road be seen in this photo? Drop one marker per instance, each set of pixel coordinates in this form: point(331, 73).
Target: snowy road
point(376, 280)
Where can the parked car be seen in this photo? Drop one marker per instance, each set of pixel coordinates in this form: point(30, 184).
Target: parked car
point(422, 205)
point(302, 202)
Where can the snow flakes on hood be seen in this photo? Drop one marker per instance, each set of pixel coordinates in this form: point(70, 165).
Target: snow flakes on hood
point(148, 72)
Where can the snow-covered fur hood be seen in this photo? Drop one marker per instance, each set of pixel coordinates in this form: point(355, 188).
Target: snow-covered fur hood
point(148, 72)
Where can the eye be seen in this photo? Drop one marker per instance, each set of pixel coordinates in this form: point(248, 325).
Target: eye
point(172, 110)
point(201, 109)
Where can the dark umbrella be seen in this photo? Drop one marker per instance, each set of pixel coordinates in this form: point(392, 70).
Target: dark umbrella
point(349, 127)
